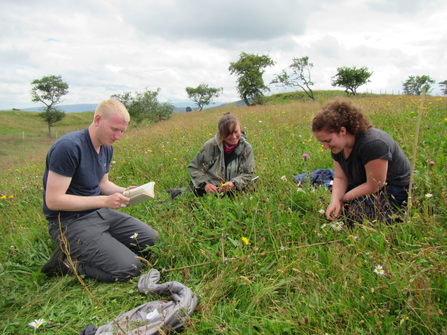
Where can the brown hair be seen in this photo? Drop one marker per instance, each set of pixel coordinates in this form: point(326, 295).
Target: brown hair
point(107, 108)
point(341, 113)
point(224, 126)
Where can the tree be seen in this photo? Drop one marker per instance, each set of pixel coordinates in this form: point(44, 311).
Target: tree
point(415, 84)
point(203, 95)
point(49, 91)
point(188, 109)
point(300, 76)
point(351, 78)
point(444, 89)
point(249, 69)
point(145, 105)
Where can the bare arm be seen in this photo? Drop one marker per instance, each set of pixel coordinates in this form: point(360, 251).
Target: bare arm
point(57, 198)
point(108, 188)
point(376, 171)
point(339, 188)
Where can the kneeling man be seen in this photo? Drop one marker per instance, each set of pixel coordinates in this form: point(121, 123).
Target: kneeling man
point(78, 202)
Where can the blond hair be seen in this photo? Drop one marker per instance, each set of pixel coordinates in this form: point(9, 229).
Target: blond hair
point(107, 108)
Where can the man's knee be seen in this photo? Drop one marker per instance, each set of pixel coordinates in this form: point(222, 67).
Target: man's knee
point(124, 272)
point(147, 239)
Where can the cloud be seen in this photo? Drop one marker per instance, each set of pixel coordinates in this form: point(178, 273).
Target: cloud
point(410, 7)
point(216, 21)
point(327, 47)
point(104, 47)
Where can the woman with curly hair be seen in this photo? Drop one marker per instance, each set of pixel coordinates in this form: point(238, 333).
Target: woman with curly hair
point(371, 172)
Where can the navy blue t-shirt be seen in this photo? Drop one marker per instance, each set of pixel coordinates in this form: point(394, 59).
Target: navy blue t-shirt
point(375, 144)
point(74, 156)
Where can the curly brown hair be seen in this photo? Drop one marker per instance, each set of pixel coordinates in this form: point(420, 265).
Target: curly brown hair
point(224, 126)
point(341, 113)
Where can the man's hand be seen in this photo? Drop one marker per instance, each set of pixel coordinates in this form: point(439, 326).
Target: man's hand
point(116, 200)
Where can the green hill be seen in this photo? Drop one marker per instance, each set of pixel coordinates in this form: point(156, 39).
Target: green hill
point(295, 275)
point(24, 136)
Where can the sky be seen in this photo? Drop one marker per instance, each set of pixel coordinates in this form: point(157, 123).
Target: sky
point(106, 47)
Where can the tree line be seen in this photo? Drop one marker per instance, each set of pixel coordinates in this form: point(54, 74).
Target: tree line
point(251, 67)
point(249, 70)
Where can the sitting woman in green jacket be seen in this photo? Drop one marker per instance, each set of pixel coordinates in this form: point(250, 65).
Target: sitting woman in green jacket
point(225, 163)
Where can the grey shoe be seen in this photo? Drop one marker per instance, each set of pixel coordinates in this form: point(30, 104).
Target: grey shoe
point(55, 264)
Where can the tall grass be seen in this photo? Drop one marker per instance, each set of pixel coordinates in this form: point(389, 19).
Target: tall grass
point(24, 136)
point(294, 276)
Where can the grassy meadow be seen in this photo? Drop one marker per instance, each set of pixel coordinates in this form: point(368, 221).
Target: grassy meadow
point(24, 136)
point(295, 275)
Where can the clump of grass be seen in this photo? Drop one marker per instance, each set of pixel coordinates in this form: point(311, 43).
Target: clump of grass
point(293, 276)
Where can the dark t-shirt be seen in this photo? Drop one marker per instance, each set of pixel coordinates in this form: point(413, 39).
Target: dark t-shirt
point(375, 144)
point(74, 156)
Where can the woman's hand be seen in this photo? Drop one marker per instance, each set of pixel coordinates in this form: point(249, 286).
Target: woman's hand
point(339, 188)
point(226, 187)
point(333, 210)
point(210, 188)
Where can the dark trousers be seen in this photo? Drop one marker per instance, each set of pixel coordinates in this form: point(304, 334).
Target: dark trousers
point(101, 244)
point(385, 205)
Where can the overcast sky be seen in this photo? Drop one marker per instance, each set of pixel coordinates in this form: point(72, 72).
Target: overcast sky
point(104, 47)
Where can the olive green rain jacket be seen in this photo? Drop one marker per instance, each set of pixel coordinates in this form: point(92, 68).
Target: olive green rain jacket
point(208, 166)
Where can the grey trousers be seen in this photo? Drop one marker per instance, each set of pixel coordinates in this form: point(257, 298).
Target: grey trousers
point(101, 244)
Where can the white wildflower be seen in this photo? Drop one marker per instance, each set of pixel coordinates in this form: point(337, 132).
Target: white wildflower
point(337, 225)
point(36, 323)
point(379, 270)
point(284, 178)
point(321, 211)
point(134, 236)
point(429, 195)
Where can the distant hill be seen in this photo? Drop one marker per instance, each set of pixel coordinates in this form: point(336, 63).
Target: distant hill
point(79, 108)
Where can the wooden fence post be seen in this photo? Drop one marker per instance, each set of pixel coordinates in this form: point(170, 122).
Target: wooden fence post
point(418, 126)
